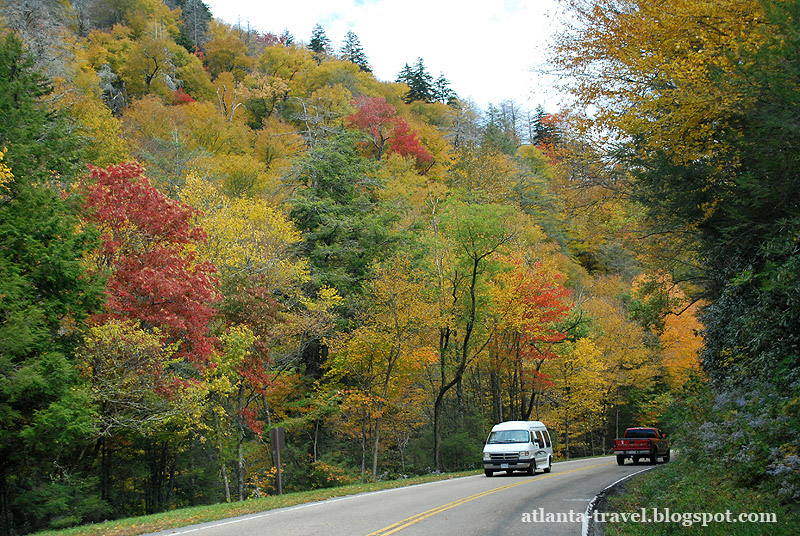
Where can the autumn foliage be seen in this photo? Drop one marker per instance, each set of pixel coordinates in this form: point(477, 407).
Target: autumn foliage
point(534, 302)
point(298, 244)
point(388, 132)
point(147, 250)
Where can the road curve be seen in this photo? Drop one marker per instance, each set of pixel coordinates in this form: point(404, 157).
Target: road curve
point(500, 505)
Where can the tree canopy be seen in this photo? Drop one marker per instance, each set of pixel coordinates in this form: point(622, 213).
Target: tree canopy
point(207, 232)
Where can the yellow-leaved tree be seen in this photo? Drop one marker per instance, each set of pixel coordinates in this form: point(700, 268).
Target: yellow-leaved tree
point(529, 305)
point(483, 174)
point(101, 131)
point(226, 52)
point(246, 236)
point(386, 353)
point(627, 359)
point(657, 70)
point(134, 391)
point(576, 397)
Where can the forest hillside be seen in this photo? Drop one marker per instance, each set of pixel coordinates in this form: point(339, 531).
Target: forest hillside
point(208, 232)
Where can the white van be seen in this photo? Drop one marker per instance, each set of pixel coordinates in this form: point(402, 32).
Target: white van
point(518, 446)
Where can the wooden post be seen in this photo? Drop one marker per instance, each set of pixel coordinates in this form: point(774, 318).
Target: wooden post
point(277, 437)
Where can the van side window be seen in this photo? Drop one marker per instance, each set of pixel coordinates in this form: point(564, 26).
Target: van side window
point(541, 439)
point(547, 438)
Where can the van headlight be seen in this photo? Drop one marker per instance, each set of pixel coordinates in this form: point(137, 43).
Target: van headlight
point(524, 453)
point(487, 456)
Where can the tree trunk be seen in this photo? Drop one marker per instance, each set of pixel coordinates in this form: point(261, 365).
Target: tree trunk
point(497, 400)
point(240, 446)
point(241, 466)
point(221, 460)
point(437, 412)
point(444, 341)
point(363, 450)
point(375, 445)
point(316, 438)
point(462, 364)
point(105, 469)
point(514, 403)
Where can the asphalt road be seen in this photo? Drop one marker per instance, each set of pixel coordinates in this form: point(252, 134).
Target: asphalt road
point(500, 505)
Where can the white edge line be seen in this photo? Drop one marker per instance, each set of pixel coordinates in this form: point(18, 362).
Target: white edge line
point(259, 515)
point(238, 519)
point(590, 508)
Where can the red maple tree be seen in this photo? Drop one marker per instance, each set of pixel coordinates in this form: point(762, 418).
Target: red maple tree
point(147, 248)
point(181, 97)
point(389, 133)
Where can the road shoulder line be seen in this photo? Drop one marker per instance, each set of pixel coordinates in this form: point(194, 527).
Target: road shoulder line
point(590, 509)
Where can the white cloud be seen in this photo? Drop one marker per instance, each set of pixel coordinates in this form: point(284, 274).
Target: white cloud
point(485, 48)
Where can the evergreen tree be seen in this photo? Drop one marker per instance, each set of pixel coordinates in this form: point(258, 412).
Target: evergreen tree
point(406, 75)
point(423, 82)
point(287, 38)
point(352, 51)
point(419, 82)
point(544, 131)
point(44, 297)
point(442, 92)
point(344, 228)
point(39, 141)
point(319, 44)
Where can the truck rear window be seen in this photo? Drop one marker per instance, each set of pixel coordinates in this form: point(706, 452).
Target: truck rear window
point(639, 434)
point(509, 436)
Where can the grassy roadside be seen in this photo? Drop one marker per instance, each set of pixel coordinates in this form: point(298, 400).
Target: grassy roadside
point(684, 487)
point(199, 514)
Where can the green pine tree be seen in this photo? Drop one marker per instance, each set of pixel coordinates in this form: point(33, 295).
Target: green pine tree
point(345, 228)
point(419, 81)
point(319, 44)
point(442, 91)
point(287, 38)
point(353, 52)
point(44, 297)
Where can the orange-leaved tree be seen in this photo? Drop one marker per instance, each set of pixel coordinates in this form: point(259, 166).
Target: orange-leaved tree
point(530, 303)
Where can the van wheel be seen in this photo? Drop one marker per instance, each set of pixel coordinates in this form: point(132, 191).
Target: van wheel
point(532, 469)
point(549, 465)
point(488, 472)
point(620, 460)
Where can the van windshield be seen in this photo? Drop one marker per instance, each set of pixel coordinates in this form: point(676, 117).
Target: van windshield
point(509, 436)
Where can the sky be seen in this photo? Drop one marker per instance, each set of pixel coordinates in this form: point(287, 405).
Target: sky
point(487, 49)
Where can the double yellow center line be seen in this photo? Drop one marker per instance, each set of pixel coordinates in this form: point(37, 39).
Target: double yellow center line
point(400, 525)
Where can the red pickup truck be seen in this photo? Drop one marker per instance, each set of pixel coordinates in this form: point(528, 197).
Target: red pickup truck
point(642, 443)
